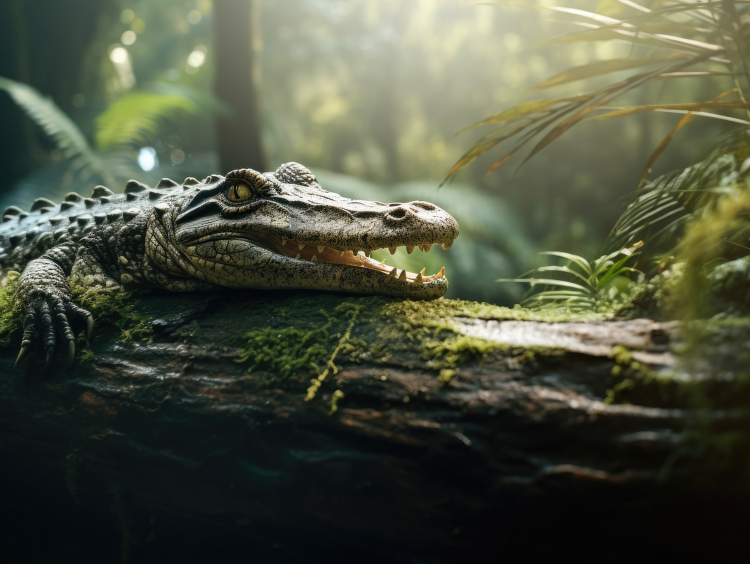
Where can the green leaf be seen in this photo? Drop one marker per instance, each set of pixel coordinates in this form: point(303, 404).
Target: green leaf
point(580, 261)
point(135, 118)
point(66, 135)
point(562, 269)
point(547, 282)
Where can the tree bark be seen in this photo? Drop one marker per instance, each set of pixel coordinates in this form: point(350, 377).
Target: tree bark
point(236, 40)
point(169, 450)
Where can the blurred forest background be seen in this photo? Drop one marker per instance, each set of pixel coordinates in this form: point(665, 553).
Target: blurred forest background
point(369, 94)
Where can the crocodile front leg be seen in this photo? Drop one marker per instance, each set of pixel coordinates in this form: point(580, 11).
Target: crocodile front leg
point(44, 294)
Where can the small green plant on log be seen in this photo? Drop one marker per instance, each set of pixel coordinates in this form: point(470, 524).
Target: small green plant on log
point(584, 285)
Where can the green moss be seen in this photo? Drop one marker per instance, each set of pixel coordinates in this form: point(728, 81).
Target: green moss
point(11, 316)
point(286, 352)
point(352, 311)
point(337, 396)
point(84, 354)
point(659, 298)
point(310, 335)
point(633, 383)
point(120, 309)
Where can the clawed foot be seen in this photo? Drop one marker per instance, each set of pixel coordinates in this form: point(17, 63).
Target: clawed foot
point(49, 318)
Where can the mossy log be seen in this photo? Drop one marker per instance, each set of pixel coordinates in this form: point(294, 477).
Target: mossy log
point(298, 427)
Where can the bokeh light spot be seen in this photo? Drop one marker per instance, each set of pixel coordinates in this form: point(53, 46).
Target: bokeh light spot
point(147, 158)
point(128, 37)
point(127, 16)
point(196, 58)
point(118, 55)
point(194, 17)
point(138, 25)
point(177, 156)
point(512, 42)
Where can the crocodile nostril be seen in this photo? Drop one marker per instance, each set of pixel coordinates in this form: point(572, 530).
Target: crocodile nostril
point(399, 213)
point(422, 206)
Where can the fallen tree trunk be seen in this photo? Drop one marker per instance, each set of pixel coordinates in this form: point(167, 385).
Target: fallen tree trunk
point(439, 432)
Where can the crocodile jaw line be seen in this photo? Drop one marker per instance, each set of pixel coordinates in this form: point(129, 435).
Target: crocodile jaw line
point(237, 258)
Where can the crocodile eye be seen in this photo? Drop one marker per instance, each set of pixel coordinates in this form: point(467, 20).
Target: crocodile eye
point(239, 193)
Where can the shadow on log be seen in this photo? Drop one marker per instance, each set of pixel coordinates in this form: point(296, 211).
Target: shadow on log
point(442, 432)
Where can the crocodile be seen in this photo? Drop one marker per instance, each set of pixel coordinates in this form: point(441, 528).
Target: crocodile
point(247, 229)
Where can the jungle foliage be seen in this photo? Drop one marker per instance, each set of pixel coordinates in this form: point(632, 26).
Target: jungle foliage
point(669, 41)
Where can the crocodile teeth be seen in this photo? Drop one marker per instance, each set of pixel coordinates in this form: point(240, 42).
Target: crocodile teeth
point(314, 258)
point(301, 246)
point(425, 248)
point(441, 273)
point(297, 257)
point(418, 279)
point(383, 261)
point(321, 248)
point(342, 253)
point(410, 249)
point(283, 241)
point(447, 246)
point(367, 253)
point(392, 249)
point(392, 273)
point(402, 276)
point(422, 271)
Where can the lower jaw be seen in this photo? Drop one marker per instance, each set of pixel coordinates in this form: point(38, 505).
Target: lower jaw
point(263, 269)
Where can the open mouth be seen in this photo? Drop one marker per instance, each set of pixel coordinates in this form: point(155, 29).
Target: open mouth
point(307, 252)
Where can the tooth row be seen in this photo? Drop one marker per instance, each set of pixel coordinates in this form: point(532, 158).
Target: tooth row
point(425, 248)
point(419, 279)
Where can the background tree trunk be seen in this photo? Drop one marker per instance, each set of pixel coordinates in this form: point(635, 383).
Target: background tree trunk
point(169, 450)
point(237, 39)
point(53, 65)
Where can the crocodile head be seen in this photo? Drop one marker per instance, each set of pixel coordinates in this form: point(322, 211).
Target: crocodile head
point(282, 230)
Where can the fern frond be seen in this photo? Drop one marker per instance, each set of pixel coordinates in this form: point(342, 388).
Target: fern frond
point(135, 118)
point(67, 136)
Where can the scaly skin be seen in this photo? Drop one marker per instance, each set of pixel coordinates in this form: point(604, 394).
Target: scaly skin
point(246, 230)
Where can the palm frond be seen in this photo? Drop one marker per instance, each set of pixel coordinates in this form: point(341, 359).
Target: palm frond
point(663, 206)
point(683, 50)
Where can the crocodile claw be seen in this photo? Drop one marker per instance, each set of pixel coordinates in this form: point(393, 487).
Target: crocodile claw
point(22, 354)
point(48, 320)
point(89, 327)
point(71, 354)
